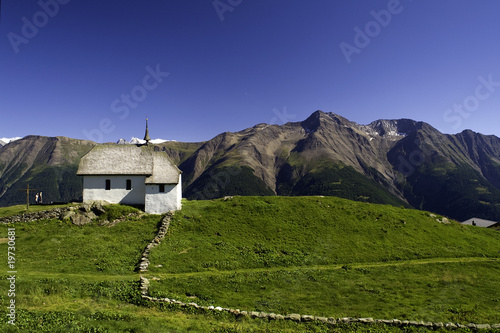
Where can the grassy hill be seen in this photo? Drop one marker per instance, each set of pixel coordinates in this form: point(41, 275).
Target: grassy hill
point(310, 255)
point(257, 232)
point(330, 257)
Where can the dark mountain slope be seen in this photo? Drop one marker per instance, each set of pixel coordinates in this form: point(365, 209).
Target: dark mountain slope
point(281, 156)
point(454, 175)
point(387, 161)
point(48, 164)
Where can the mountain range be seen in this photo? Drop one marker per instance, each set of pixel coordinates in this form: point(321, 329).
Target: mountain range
point(399, 162)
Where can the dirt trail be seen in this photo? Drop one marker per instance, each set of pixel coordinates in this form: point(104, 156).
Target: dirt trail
point(332, 267)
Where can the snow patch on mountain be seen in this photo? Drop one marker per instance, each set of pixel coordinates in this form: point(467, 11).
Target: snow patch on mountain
point(4, 141)
point(137, 141)
point(390, 129)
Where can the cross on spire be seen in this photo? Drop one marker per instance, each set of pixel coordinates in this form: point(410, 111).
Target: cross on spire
point(146, 135)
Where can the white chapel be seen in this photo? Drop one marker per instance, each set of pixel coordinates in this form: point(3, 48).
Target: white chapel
point(132, 174)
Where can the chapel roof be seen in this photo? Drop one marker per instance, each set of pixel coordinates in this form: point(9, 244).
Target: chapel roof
point(114, 159)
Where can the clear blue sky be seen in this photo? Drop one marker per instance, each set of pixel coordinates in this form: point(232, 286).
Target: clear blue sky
point(94, 68)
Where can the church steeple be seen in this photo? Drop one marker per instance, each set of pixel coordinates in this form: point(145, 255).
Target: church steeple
point(146, 135)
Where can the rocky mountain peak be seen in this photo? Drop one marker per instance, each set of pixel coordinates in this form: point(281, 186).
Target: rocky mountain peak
point(320, 119)
point(394, 128)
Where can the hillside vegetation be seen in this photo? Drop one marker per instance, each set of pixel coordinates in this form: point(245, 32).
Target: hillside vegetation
point(328, 256)
point(310, 255)
point(253, 232)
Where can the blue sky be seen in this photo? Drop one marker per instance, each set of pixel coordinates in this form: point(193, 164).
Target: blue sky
point(93, 69)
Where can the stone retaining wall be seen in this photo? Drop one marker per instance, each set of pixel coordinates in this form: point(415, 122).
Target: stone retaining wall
point(144, 262)
point(144, 286)
point(55, 213)
point(78, 214)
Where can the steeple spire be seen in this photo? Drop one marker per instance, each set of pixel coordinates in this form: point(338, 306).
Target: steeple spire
point(146, 135)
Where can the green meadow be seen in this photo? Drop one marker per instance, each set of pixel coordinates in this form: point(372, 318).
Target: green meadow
point(321, 256)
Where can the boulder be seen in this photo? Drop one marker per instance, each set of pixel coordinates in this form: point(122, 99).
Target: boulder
point(91, 215)
point(80, 219)
point(366, 320)
point(483, 326)
point(450, 326)
point(332, 321)
point(263, 315)
point(86, 207)
point(97, 206)
point(293, 316)
point(254, 314)
point(307, 318)
point(68, 215)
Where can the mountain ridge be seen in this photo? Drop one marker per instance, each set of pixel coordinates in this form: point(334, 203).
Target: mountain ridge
point(398, 161)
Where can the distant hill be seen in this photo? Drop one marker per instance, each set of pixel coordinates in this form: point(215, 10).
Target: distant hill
point(400, 162)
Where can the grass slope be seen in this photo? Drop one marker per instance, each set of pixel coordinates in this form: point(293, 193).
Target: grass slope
point(82, 279)
point(253, 232)
point(328, 256)
point(309, 255)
